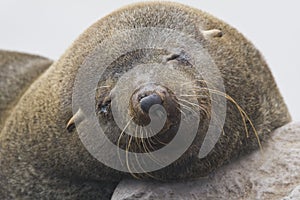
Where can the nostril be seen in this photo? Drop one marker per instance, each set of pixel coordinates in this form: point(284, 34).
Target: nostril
point(140, 97)
point(147, 101)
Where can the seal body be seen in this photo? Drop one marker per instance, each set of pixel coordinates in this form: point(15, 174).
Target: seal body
point(41, 153)
point(17, 71)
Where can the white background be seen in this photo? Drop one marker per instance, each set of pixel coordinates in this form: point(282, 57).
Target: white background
point(48, 27)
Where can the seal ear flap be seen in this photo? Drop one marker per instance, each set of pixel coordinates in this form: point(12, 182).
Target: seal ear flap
point(212, 33)
point(75, 118)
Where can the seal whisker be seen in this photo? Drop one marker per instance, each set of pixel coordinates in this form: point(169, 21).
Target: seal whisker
point(140, 166)
point(127, 158)
point(243, 114)
point(139, 148)
point(150, 153)
point(185, 107)
point(137, 139)
point(182, 112)
point(120, 137)
point(157, 139)
point(193, 81)
point(160, 142)
point(149, 140)
point(147, 150)
point(144, 172)
point(190, 103)
point(193, 95)
point(207, 111)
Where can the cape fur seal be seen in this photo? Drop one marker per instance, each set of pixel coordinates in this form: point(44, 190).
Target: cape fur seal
point(42, 156)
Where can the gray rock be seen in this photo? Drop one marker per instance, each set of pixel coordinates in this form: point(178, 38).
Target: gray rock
point(273, 173)
point(294, 195)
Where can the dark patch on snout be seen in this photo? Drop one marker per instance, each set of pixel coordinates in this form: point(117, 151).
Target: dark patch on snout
point(147, 101)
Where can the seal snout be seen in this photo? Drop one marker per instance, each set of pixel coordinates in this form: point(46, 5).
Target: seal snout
point(155, 108)
point(150, 96)
point(143, 99)
point(147, 101)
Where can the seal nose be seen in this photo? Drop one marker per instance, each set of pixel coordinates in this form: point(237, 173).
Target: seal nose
point(147, 101)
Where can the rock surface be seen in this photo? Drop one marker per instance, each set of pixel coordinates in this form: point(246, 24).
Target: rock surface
point(271, 174)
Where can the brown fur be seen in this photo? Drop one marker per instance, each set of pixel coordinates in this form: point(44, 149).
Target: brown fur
point(17, 70)
point(41, 159)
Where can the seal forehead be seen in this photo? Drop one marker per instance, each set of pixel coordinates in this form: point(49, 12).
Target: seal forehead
point(167, 15)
